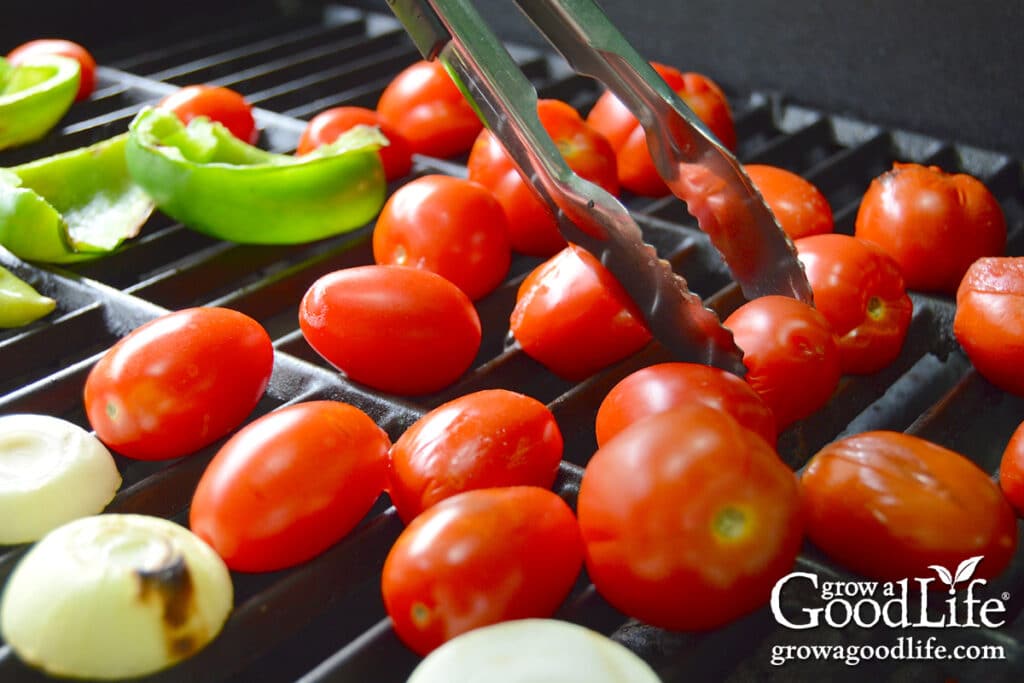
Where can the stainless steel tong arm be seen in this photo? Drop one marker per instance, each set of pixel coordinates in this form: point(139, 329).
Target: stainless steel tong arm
point(453, 32)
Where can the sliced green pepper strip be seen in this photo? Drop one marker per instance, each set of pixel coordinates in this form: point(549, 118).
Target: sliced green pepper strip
point(34, 96)
point(20, 304)
point(218, 185)
point(72, 206)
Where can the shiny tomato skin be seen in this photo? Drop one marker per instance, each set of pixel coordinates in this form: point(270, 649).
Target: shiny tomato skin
point(485, 439)
point(688, 519)
point(612, 119)
point(425, 106)
point(401, 330)
point(63, 48)
point(989, 320)
point(450, 226)
point(216, 103)
point(478, 558)
point(328, 125)
point(859, 289)
point(887, 505)
point(664, 386)
point(800, 207)
point(791, 354)
point(567, 302)
point(289, 485)
point(1011, 471)
point(935, 224)
point(533, 229)
point(179, 382)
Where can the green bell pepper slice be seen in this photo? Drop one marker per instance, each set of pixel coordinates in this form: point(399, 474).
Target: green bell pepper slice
point(20, 304)
point(72, 206)
point(34, 96)
point(204, 177)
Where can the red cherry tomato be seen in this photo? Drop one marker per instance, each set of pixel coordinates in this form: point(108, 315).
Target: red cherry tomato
point(888, 505)
point(574, 317)
point(1011, 470)
point(216, 103)
point(481, 440)
point(64, 48)
point(934, 224)
point(532, 226)
point(289, 485)
point(859, 290)
point(428, 109)
point(989, 321)
point(179, 382)
point(791, 354)
point(450, 226)
point(479, 558)
point(612, 119)
point(799, 206)
point(662, 387)
point(688, 519)
point(329, 124)
point(401, 330)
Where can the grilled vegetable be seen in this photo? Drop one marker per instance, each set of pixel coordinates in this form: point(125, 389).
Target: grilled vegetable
point(533, 650)
point(20, 304)
point(216, 184)
point(51, 472)
point(34, 96)
point(72, 206)
point(115, 596)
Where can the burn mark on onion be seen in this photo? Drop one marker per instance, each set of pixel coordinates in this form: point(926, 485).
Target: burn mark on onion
point(171, 587)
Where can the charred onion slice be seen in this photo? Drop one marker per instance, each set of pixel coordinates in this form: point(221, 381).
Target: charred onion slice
point(115, 596)
point(51, 472)
point(533, 650)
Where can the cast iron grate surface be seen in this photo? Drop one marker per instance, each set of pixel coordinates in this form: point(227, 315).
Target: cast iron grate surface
point(324, 620)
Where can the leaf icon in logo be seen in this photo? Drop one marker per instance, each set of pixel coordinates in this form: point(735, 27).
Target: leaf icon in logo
point(966, 568)
point(964, 571)
point(944, 574)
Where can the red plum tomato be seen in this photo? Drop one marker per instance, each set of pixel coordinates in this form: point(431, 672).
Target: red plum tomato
point(799, 206)
point(688, 519)
point(450, 226)
point(1011, 470)
point(935, 224)
point(63, 48)
point(485, 439)
point(216, 103)
point(859, 289)
point(574, 317)
point(989, 320)
point(614, 121)
point(478, 558)
point(890, 505)
point(401, 330)
point(664, 386)
point(791, 354)
point(425, 106)
point(179, 382)
point(328, 125)
point(533, 229)
point(289, 485)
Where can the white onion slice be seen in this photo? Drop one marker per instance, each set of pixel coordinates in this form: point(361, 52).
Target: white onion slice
point(115, 596)
point(51, 472)
point(532, 651)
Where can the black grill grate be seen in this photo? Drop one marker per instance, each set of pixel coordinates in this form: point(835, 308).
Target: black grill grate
point(324, 621)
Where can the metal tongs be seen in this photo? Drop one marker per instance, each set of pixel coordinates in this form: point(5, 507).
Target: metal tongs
point(695, 166)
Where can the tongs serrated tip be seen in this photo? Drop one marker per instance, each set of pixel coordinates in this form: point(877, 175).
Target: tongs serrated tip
point(692, 162)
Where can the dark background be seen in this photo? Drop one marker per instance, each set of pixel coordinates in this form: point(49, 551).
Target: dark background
point(947, 68)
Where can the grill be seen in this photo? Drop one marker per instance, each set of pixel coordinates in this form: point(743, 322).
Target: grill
point(324, 620)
